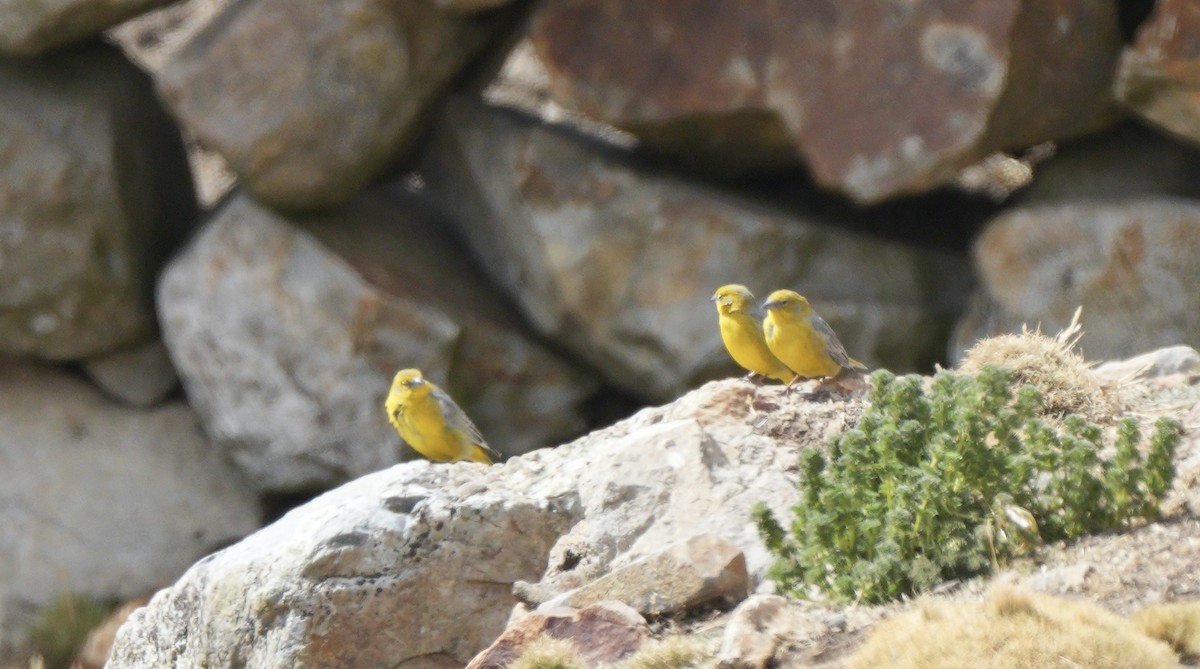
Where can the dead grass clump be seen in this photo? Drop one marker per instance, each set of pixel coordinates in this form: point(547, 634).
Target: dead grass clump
point(1177, 623)
point(547, 652)
point(1011, 629)
point(1050, 364)
point(672, 652)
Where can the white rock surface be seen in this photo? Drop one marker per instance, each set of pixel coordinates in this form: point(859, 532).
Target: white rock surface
point(413, 566)
point(1164, 361)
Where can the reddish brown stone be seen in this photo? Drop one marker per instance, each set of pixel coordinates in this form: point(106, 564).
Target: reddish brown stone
point(602, 634)
point(1159, 75)
point(878, 98)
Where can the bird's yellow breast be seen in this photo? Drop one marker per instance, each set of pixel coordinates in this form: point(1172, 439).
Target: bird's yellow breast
point(744, 339)
point(794, 341)
point(420, 422)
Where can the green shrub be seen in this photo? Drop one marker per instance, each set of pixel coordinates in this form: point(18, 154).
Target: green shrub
point(937, 485)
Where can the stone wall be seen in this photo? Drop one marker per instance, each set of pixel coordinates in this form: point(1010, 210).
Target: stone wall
point(237, 219)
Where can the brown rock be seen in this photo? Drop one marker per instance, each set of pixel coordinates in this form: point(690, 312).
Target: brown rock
point(29, 27)
point(1159, 75)
point(702, 569)
point(772, 631)
point(89, 208)
point(1131, 265)
point(308, 101)
point(617, 262)
point(878, 99)
point(603, 633)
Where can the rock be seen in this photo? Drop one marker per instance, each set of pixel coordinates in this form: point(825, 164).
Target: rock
point(697, 465)
point(603, 633)
point(90, 210)
point(408, 567)
point(1163, 362)
point(1130, 264)
point(307, 117)
point(878, 99)
point(1157, 76)
point(140, 377)
point(1130, 161)
point(287, 349)
point(31, 27)
point(749, 639)
point(618, 263)
point(413, 566)
point(701, 570)
point(98, 499)
point(771, 631)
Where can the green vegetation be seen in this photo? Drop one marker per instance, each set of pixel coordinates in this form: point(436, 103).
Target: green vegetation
point(949, 482)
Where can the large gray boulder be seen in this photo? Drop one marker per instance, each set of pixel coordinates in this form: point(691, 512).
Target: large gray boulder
point(94, 195)
point(287, 332)
point(308, 101)
point(617, 262)
point(102, 500)
point(1132, 265)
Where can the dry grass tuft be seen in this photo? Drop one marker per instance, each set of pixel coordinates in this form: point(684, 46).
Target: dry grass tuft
point(547, 652)
point(1011, 629)
point(1053, 366)
point(1177, 623)
point(673, 652)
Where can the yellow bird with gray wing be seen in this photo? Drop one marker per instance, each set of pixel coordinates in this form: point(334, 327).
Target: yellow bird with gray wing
point(742, 333)
point(802, 340)
point(429, 420)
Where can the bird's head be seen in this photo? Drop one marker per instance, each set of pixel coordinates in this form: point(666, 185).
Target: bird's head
point(408, 382)
point(733, 298)
point(787, 301)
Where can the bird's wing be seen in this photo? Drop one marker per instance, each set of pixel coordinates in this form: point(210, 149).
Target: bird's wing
point(457, 419)
point(833, 347)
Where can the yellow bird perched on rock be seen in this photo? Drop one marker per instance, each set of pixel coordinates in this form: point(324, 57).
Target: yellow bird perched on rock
point(742, 333)
point(802, 340)
point(432, 423)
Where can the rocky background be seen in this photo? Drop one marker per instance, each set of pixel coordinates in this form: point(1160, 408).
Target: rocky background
point(225, 224)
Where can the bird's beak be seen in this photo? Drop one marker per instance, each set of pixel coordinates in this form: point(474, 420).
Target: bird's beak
point(714, 298)
point(767, 306)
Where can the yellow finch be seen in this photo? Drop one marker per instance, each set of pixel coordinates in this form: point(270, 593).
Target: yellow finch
point(432, 423)
point(802, 340)
point(742, 333)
